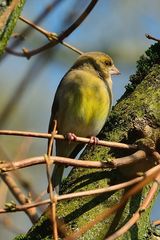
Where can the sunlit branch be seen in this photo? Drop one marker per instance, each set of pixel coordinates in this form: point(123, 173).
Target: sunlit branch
point(52, 194)
point(115, 163)
point(60, 37)
point(152, 38)
point(137, 214)
point(19, 195)
point(146, 175)
point(52, 37)
point(106, 213)
point(61, 137)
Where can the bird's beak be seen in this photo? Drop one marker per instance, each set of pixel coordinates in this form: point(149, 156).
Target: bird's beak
point(114, 71)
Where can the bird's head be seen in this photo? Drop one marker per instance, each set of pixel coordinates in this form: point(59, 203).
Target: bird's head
point(106, 63)
point(99, 61)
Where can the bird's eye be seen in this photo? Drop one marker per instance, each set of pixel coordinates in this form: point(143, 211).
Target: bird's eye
point(107, 63)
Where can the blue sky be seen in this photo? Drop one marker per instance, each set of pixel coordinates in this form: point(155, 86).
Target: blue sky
point(116, 27)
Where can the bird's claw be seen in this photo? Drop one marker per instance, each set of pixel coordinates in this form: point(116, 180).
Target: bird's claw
point(71, 137)
point(94, 140)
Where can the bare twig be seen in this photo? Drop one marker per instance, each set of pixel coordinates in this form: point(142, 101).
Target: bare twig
point(63, 35)
point(5, 15)
point(77, 23)
point(111, 188)
point(11, 184)
point(147, 175)
point(23, 149)
point(156, 222)
point(62, 137)
point(118, 162)
point(106, 213)
point(40, 18)
point(53, 199)
point(50, 35)
point(152, 38)
point(19, 195)
point(138, 213)
point(52, 195)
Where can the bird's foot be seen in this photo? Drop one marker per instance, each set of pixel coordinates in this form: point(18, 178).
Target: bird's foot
point(71, 137)
point(94, 140)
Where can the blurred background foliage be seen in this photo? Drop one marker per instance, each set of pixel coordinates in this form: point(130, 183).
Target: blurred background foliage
point(27, 87)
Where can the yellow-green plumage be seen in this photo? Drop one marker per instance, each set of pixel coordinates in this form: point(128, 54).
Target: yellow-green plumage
point(82, 102)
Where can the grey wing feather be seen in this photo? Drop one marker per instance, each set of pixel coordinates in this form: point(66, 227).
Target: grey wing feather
point(53, 114)
point(55, 106)
point(58, 169)
point(57, 176)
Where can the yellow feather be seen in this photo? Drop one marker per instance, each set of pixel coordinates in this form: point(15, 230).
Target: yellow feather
point(82, 102)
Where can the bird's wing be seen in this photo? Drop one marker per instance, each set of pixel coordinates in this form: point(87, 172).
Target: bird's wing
point(61, 147)
point(54, 109)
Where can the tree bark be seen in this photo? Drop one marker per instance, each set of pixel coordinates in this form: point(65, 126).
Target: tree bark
point(9, 15)
point(138, 107)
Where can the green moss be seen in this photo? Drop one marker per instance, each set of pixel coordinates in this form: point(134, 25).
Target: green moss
point(142, 103)
point(144, 64)
point(6, 32)
point(41, 230)
point(20, 237)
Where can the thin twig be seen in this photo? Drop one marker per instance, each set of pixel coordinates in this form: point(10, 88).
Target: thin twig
point(64, 34)
point(79, 194)
point(111, 188)
point(152, 38)
point(115, 163)
point(23, 149)
point(138, 213)
point(38, 19)
point(77, 23)
point(16, 191)
point(146, 175)
point(106, 213)
point(62, 137)
point(53, 199)
point(19, 195)
point(5, 15)
point(156, 222)
point(52, 37)
point(52, 195)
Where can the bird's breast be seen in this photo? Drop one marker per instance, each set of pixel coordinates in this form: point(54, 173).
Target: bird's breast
point(86, 105)
point(93, 108)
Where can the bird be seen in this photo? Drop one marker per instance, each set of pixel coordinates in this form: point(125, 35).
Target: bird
point(81, 104)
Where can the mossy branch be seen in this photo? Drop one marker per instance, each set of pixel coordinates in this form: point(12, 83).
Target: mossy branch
point(9, 15)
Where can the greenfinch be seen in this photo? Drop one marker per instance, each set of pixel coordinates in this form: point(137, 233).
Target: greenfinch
point(82, 103)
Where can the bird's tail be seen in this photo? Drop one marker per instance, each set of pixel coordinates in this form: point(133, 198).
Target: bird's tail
point(57, 177)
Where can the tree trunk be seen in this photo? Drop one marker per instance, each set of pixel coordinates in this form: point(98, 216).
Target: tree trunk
point(138, 107)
